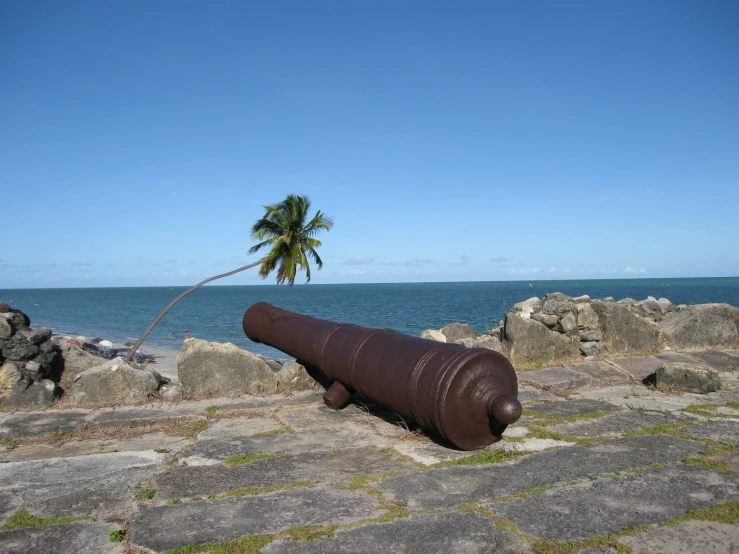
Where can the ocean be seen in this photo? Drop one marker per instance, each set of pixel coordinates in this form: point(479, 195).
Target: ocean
point(214, 313)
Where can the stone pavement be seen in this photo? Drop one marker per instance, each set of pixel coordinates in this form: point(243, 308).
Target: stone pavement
point(599, 463)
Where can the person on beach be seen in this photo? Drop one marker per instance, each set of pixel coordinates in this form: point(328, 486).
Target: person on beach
point(187, 335)
point(172, 336)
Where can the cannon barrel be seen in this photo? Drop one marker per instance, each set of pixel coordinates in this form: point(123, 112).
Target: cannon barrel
point(466, 395)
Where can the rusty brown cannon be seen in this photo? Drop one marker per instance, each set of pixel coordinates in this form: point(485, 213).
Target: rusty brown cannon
point(466, 395)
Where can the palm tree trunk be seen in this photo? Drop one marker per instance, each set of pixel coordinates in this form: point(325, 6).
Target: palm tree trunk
point(153, 324)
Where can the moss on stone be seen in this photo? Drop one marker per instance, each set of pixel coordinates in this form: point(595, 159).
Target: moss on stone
point(242, 459)
point(22, 518)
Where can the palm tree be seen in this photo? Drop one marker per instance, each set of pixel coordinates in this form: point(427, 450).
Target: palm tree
point(285, 229)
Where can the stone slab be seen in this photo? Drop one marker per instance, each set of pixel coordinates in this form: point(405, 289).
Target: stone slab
point(639, 367)
point(449, 487)
point(239, 427)
point(79, 537)
point(318, 417)
point(640, 396)
point(431, 534)
point(316, 467)
point(531, 394)
point(652, 496)
point(166, 527)
point(25, 424)
point(602, 373)
point(726, 431)
point(573, 408)
point(618, 423)
point(209, 451)
point(688, 537)
point(556, 378)
point(82, 448)
point(677, 357)
point(718, 360)
point(98, 484)
point(429, 453)
point(9, 504)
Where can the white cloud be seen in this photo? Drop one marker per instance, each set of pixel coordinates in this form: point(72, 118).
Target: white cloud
point(630, 269)
point(356, 272)
point(354, 261)
point(184, 273)
point(552, 270)
point(525, 270)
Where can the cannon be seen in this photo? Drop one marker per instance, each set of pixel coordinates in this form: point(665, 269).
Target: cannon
point(468, 396)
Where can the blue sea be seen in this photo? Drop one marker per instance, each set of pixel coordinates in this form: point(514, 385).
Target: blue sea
point(214, 313)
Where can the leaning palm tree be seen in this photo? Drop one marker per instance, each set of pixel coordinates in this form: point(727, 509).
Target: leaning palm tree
point(285, 229)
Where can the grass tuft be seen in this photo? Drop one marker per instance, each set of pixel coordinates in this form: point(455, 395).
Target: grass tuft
point(309, 533)
point(496, 457)
point(282, 431)
point(251, 491)
point(728, 513)
point(251, 544)
point(242, 459)
point(117, 536)
point(144, 494)
point(22, 518)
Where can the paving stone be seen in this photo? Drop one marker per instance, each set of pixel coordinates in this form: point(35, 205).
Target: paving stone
point(652, 496)
point(677, 357)
point(165, 527)
point(603, 373)
point(599, 550)
point(726, 431)
point(531, 394)
point(618, 423)
point(573, 408)
point(429, 453)
point(449, 487)
point(81, 448)
point(730, 458)
point(720, 361)
point(24, 424)
point(318, 418)
point(430, 534)
point(535, 445)
point(216, 450)
point(689, 537)
point(640, 396)
point(556, 378)
point(80, 485)
point(185, 482)
point(239, 427)
point(727, 411)
point(9, 504)
point(639, 367)
point(79, 537)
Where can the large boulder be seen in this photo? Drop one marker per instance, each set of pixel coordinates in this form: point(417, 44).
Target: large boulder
point(433, 334)
point(491, 343)
point(556, 303)
point(688, 377)
point(586, 316)
point(702, 326)
point(215, 369)
point(76, 360)
point(6, 327)
point(532, 344)
point(17, 391)
point(528, 307)
point(113, 382)
point(455, 331)
point(625, 333)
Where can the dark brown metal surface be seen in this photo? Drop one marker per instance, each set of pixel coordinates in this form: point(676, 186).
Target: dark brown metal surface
point(467, 395)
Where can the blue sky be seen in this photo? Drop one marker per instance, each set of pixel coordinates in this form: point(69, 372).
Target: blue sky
point(450, 141)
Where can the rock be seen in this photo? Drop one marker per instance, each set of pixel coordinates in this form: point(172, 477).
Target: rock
point(556, 303)
point(39, 335)
point(18, 347)
point(527, 307)
point(6, 328)
point(568, 324)
point(491, 343)
point(592, 348)
point(648, 308)
point(626, 301)
point(456, 331)
point(666, 305)
point(702, 326)
point(171, 391)
point(17, 390)
point(294, 377)
point(581, 299)
point(215, 369)
point(274, 365)
point(625, 332)
point(32, 370)
point(590, 335)
point(688, 377)
point(4, 308)
point(467, 343)
point(550, 320)
point(76, 360)
point(586, 316)
point(113, 382)
point(530, 343)
point(433, 334)
point(608, 299)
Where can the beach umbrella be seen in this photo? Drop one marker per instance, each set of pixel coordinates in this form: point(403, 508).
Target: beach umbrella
point(106, 343)
point(74, 342)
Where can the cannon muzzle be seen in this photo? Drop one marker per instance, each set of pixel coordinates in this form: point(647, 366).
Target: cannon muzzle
point(466, 395)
